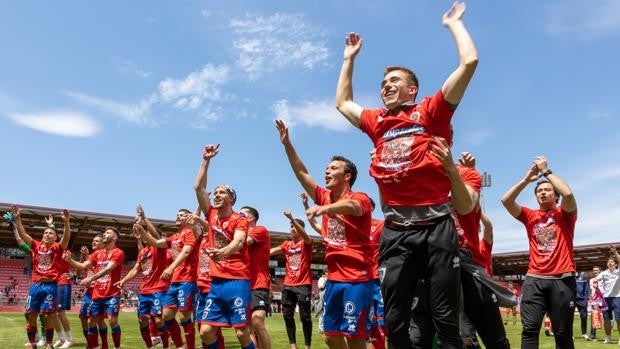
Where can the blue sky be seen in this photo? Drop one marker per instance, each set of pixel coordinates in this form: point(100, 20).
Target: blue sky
point(107, 104)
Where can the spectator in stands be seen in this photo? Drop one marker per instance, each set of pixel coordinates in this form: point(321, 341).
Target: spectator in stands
point(595, 271)
point(550, 282)
point(609, 283)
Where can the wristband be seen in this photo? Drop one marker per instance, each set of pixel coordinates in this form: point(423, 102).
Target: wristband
point(547, 172)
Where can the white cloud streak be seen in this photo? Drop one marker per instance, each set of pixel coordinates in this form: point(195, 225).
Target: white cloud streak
point(189, 93)
point(277, 42)
point(61, 123)
point(314, 114)
point(136, 113)
point(130, 68)
point(589, 19)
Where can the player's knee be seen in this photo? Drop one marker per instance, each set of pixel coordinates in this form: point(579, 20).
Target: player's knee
point(243, 334)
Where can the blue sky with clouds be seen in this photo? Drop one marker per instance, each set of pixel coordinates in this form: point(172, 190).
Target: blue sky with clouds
point(107, 104)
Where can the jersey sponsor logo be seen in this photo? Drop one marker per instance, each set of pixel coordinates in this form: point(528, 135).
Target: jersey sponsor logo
point(349, 307)
point(546, 235)
point(238, 302)
point(405, 131)
point(45, 259)
point(336, 232)
point(456, 262)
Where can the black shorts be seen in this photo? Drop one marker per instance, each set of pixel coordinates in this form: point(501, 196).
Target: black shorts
point(260, 299)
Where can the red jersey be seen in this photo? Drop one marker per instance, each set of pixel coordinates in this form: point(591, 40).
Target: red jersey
point(103, 288)
point(237, 265)
point(259, 257)
point(298, 259)
point(187, 270)
point(406, 172)
point(346, 238)
point(46, 261)
point(63, 276)
point(551, 240)
point(468, 226)
point(485, 253)
point(204, 261)
point(376, 227)
point(152, 262)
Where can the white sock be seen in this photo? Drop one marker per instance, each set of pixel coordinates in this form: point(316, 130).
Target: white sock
point(61, 336)
point(68, 336)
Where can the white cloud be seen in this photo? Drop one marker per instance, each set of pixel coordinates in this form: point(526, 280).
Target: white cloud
point(128, 67)
point(315, 114)
point(584, 19)
point(135, 113)
point(205, 13)
point(68, 123)
point(277, 42)
point(198, 86)
point(597, 115)
point(478, 137)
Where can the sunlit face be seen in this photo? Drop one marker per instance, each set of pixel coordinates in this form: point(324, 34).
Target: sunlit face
point(180, 219)
point(97, 243)
point(221, 198)
point(596, 271)
point(396, 89)
point(545, 195)
point(109, 236)
point(248, 214)
point(335, 175)
point(612, 264)
point(294, 234)
point(49, 236)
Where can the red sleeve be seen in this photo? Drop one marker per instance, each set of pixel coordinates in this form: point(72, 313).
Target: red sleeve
point(169, 241)
point(364, 202)
point(319, 195)
point(241, 224)
point(368, 121)
point(188, 237)
point(440, 115)
point(524, 217)
point(284, 246)
point(259, 234)
point(471, 177)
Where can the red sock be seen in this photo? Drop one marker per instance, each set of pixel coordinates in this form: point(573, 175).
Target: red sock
point(49, 335)
point(31, 331)
point(103, 333)
point(153, 329)
point(116, 336)
point(146, 336)
point(92, 338)
point(163, 332)
point(190, 333)
point(175, 332)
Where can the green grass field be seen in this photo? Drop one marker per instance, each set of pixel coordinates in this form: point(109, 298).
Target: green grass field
point(13, 334)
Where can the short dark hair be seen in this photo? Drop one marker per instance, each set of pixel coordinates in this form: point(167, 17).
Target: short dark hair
point(185, 210)
point(413, 79)
point(115, 230)
point(372, 203)
point(543, 181)
point(300, 222)
point(252, 210)
point(349, 167)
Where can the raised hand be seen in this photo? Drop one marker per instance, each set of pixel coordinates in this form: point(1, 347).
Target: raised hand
point(304, 198)
point(541, 163)
point(467, 159)
point(66, 255)
point(137, 231)
point(288, 214)
point(454, 14)
point(140, 216)
point(441, 150)
point(84, 251)
point(532, 174)
point(49, 220)
point(210, 150)
point(282, 130)
point(314, 211)
point(352, 45)
point(66, 217)
point(16, 212)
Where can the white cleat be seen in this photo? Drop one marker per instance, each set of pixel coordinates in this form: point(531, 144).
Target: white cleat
point(41, 342)
point(67, 344)
point(58, 343)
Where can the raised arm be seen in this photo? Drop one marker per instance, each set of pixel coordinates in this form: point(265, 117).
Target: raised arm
point(274, 251)
point(345, 207)
point(464, 198)
point(200, 184)
point(487, 229)
point(139, 231)
point(20, 227)
point(299, 169)
point(66, 221)
point(510, 197)
point(454, 87)
point(101, 273)
point(141, 217)
point(299, 228)
point(568, 203)
point(313, 222)
point(80, 266)
point(130, 275)
point(344, 91)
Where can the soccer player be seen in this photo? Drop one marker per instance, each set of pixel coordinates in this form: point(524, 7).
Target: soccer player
point(46, 264)
point(486, 244)
point(313, 222)
point(228, 303)
point(297, 280)
point(377, 322)
point(346, 233)
point(107, 264)
point(413, 185)
point(550, 280)
point(63, 327)
point(87, 298)
point(259, 244)
point(182, 273)
point(609, 283)
point(150, 262)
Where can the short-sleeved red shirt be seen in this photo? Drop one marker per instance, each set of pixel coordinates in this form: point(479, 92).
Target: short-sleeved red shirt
point(550, 234)
point(237, 265)
point(204, 262)
point(259, 257)
point(187, 270)
point(63, 273)
point(46, 261)
point(152, 262)
point(468, 226)
point(406, 172)
point(346, 239)
point(487, 258)
point(376, 227)
point(298, 259)
point(104, 286)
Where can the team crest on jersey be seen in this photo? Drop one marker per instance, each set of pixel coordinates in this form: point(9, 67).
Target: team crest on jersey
point(45, 260)
point(395, 153)
point(335, 232)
